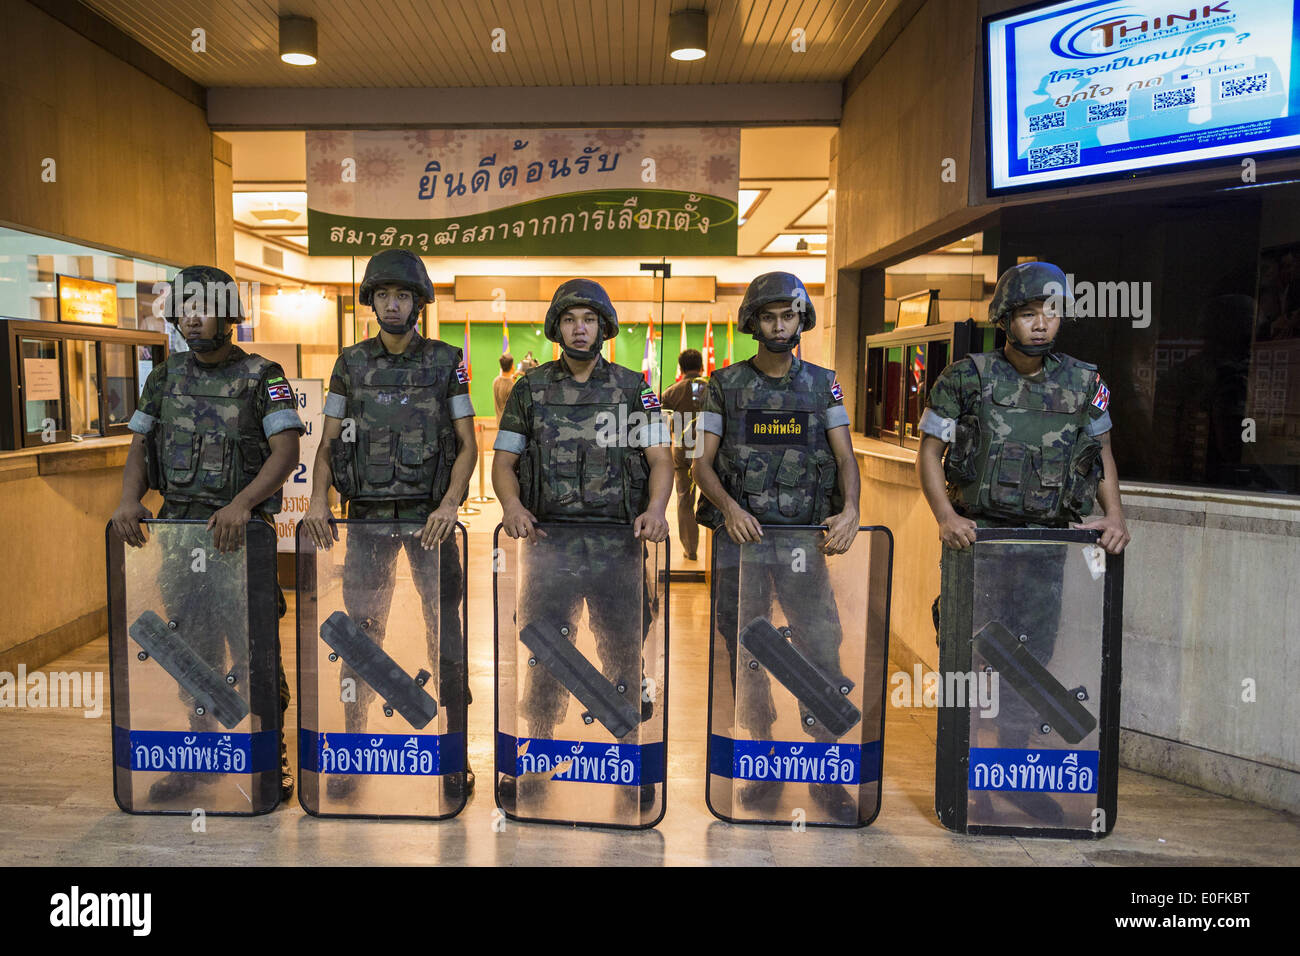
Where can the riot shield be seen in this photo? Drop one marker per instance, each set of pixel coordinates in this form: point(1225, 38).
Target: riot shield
point(582, 676)
point(193, 638)
point(382, 681)
point(797, 678)
point(1028, 734)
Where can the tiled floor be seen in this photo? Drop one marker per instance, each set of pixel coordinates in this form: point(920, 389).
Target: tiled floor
point(56, 803)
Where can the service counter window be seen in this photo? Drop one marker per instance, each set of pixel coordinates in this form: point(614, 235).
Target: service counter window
point(68, 382)
point(902, 367)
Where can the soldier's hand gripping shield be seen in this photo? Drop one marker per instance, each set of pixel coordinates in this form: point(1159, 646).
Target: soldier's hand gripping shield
point(581, 671)
point(194, 671)
point(382, 700)
point(1029, 651)
point(797, 678)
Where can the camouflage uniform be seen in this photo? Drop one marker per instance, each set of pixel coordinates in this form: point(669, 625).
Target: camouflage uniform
point(686, 398)
point(207, 430)
point(775, 460)
point(398, 468)
point(575, 467)
point(1023, 452)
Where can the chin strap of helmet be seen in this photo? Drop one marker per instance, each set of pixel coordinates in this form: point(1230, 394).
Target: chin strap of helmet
point(585, 355)
point(212, 344)
point(1031, 350)
point(401, 328)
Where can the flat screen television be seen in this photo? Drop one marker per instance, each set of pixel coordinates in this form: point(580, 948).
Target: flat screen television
point(1100, 89)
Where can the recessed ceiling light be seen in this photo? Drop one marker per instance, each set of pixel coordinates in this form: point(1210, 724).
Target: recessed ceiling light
point(298, 41)
point(688, 34)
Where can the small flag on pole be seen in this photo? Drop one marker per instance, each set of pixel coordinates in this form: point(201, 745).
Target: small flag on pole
point(464, 361)
point(505, 336)
point(708, 345)
point(728, 359)
point(648, 357)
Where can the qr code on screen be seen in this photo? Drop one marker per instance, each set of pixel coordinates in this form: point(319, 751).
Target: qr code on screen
point(1170, 99)
point(1236, 86)
point(1049, 157)
point(1097, 112)
point(1040, 124)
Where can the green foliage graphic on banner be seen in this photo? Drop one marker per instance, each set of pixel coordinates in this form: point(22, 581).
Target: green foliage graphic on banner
point(598, 222)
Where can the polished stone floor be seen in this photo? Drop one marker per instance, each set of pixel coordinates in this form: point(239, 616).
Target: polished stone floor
point(56, 802)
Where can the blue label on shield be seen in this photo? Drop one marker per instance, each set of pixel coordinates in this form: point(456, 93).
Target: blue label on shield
point(1043, 771)
point(412, 755)
point(582, 761)
point(794, 762)
point(184, 751)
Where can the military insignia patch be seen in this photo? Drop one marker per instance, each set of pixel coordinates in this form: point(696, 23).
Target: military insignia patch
point(462, 375)
point(1102, 398)
point(837, 393)
point(279, 393)
point(649, 400)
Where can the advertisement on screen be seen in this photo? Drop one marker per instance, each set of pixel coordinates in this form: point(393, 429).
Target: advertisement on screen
point(1080, 90)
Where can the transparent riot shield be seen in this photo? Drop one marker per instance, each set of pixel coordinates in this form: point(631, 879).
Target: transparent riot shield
point(797, 678)
point(193, 638)
point(382, 681)
point(581, 676)
point(1028, 734)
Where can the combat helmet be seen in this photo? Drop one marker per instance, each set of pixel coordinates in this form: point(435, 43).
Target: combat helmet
point(204, 290)
point(776, 287)
point(1029, 282)
point(591, 294)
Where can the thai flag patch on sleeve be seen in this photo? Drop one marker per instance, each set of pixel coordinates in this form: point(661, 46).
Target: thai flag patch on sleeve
point(1102, 398)
point(279, 393)
point(462, 375)
point(649, 400)
point(837, 393)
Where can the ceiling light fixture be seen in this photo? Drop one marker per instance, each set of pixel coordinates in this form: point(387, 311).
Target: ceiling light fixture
point(298, 41)
point(688, 34)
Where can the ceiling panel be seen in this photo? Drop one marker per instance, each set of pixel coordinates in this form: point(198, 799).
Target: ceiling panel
point(435, 43)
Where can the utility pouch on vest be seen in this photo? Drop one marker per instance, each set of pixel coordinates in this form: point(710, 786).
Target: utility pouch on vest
point(959, 465)
point(529, 468)
point(212, 459)
point(1006, 488)
point(828, 499)
point(635, 484)
point(181, 453)
point(379, 456)
point(565, 488)
point(790, 474)
point(1083, 476)
point(755, 480)
point(343, 468)
point(1045, 482)
point(152, 469)
point(599, 488)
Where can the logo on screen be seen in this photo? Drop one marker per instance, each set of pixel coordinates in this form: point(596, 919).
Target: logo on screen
point(1101, 35)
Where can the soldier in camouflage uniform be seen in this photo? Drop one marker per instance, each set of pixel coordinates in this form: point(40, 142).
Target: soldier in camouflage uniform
point(774, 449)
point(561, 456)
point(1021, 438)
point(408, 456)
point(216, 432)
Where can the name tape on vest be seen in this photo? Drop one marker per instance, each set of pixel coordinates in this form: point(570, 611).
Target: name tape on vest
point(776, 428)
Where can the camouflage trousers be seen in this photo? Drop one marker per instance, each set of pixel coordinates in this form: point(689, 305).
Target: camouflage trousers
point(608, 577)
point(221, 640)
point(808, 601)
point(369, 582)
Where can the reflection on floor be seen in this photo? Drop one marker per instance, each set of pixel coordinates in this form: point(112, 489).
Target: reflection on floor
point(56, 802)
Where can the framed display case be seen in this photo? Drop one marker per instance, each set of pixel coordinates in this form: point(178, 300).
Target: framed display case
point(69, 381)
point(902, 366)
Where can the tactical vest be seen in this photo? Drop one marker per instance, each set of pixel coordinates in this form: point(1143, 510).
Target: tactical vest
point(1026, 456)
point(774, 458)
point(210, 445)
point(403, 440)
point(577, 465)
